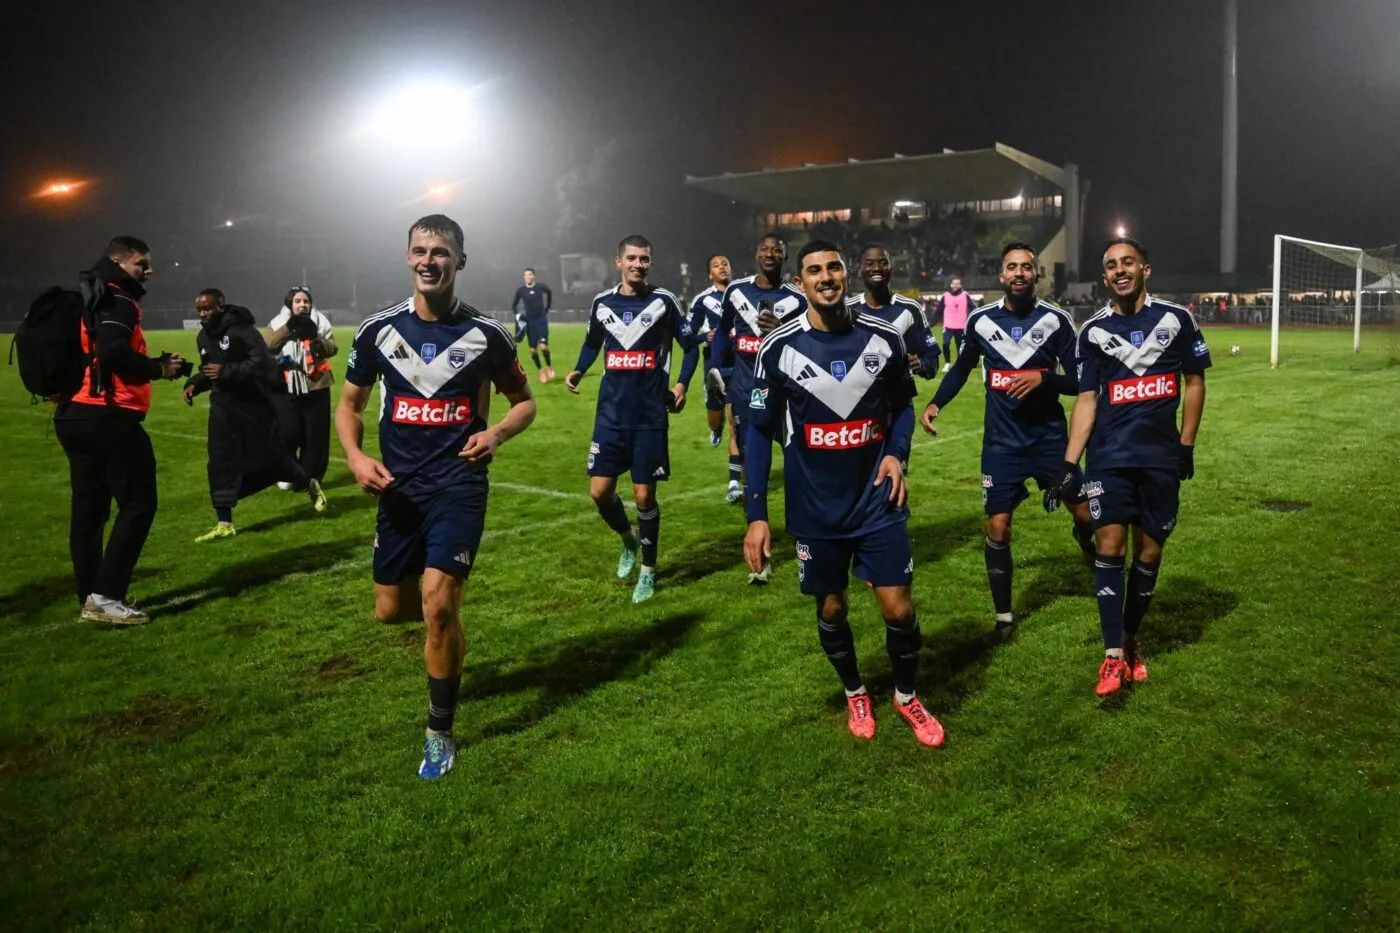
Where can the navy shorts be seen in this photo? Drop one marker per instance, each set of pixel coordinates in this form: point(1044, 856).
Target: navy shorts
point(440, 529)
point(1004, 476)
point(537, 330)
point(1137, 496)
point(643, 453)
point(880, 558)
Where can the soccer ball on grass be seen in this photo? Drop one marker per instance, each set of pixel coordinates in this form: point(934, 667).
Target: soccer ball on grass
point(1234, 349)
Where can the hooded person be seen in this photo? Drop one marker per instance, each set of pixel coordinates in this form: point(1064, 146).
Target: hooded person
point(246, 453)
point(304, 342)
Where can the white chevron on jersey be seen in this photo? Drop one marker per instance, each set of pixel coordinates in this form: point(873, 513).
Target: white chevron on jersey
point(782, 307)
point(1017, 352)
point(428, 378)
point(1139, 359)
point(628, 334)
point(840, 395)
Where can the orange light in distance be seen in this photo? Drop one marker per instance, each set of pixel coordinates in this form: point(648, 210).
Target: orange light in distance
point(60, 189)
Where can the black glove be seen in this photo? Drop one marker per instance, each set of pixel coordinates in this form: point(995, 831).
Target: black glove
point(1064, 486)
point(301, 327)
point(1186, 461)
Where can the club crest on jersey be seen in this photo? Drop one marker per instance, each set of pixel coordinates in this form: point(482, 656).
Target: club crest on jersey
point(838, 369)
point(1136, 337)
point(1016, 333)
point(429, 352)
point(223, 343)
point(646, 320)
point(1164, 336)
point(872, 363)
point(457, 357)
point(1037, 335)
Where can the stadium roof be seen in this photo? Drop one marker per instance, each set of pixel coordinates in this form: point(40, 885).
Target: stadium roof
point(980, 174)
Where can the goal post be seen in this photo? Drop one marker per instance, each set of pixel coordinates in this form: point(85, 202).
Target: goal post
point(1327, 285)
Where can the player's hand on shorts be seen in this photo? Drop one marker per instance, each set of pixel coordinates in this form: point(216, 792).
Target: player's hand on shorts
point(1064, 486)
point(1186, 461)
point(571, 381)
point(891, 469)
point(1024, 383)
point(930, 413)
point(758, 545)
point(371, 475)
point(481, 447)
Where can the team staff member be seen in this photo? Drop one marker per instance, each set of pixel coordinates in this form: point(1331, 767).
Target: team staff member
point(109, 453)
point(953, 308)
point(437, 359)
point(245, 442)
point(304, 342)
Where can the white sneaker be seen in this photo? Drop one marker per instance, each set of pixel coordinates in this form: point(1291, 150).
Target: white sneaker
point(715, 382)
point(735, 494)
point(947, 366)
point(112, 611)
point(285, 487)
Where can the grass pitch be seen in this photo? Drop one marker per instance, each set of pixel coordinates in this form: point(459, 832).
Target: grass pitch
point(249, 757)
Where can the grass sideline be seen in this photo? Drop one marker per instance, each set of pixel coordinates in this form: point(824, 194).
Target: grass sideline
point(249, 757)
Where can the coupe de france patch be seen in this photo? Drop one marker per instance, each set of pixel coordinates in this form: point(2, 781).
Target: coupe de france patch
point(838, 369)
point(429, 352)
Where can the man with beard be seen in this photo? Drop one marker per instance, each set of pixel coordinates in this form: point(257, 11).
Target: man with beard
point(109, 453)
point(841, 381)
point(751, 307)
point(1028, 347)
point(705, 312)
point(953, 309)
point(1138, 358)
point(246, 453)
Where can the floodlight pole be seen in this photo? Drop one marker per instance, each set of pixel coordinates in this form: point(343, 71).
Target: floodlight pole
point(1230, 150)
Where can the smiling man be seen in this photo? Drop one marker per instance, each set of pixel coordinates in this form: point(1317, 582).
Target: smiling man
point(906, 314)
point(1138, 359)
point(751, 307)
point(436, 357)
point(840, 381)
point(1028, 347)
point(634, 325)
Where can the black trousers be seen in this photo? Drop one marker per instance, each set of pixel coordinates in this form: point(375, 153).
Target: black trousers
point(246, 453)
point(108, 458)
point(306, 429)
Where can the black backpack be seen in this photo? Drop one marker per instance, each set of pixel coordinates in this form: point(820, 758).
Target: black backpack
point(49, 341)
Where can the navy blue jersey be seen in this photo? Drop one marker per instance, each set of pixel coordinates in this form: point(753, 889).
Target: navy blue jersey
point(1006, 342)
point(833, 398)
point(738, 326)
point(536, 298)
point(635, 333)
point(432, 375)
point(705, 313)
point(1134, 362)
point(907, 315)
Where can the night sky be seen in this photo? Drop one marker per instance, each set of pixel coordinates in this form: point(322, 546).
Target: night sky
point(185, 116)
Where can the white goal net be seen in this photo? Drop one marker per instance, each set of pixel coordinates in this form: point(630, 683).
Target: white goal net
point(1324, 285)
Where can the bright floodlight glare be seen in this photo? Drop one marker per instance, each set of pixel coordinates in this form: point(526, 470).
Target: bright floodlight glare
point(59, 189)
point(447, 107)
point(1017, 200)
point(1120, 230)
point(228, 223)
point(903, 203)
